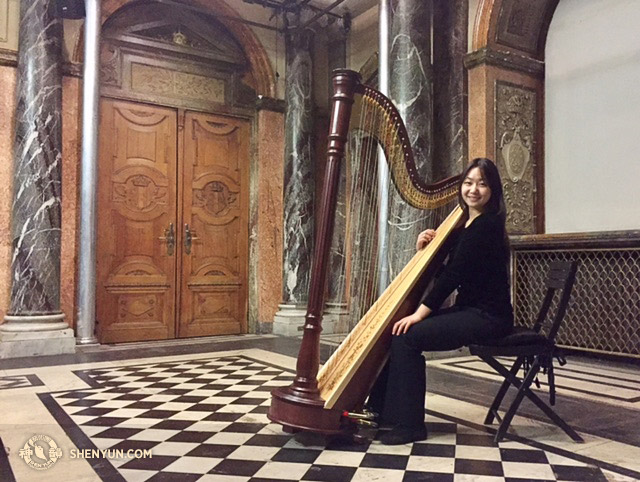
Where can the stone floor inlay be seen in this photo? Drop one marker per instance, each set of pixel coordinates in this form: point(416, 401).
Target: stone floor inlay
point(205, 419)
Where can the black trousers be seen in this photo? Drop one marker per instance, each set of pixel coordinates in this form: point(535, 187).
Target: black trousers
point(399, 393)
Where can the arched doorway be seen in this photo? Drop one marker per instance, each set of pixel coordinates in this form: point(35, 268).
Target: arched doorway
point(173, 177)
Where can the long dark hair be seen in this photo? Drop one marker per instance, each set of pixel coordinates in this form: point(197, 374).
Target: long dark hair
point(496, 205)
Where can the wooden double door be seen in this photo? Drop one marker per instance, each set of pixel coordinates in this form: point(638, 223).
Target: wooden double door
point(172, 223)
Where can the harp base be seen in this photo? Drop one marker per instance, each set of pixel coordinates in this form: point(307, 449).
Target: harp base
point(295, 412)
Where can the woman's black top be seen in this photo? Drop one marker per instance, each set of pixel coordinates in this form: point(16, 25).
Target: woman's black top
point(477, 268)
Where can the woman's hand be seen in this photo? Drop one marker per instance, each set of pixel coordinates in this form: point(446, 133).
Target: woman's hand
point(402, 326)
point(424, 238)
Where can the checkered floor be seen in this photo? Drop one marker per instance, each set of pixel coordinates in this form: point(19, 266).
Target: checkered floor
point(205, 419)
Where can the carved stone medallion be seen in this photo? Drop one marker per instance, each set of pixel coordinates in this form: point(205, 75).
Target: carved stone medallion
point(515, 134)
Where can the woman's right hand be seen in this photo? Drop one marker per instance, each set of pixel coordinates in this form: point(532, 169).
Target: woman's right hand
point(402, 326)
point(424, 238)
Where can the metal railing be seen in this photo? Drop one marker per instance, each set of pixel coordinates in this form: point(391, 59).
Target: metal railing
point(604, 312)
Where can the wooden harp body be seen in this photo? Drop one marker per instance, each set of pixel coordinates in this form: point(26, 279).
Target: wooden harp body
point(317, 401)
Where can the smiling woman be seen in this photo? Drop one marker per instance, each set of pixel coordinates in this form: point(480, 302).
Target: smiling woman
point(475, 191)
point(477, 268)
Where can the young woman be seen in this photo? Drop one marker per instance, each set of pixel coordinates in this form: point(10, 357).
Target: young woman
point(478, 269)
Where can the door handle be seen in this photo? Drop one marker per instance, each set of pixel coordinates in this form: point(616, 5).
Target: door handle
point(189, 236)
point(170, 238)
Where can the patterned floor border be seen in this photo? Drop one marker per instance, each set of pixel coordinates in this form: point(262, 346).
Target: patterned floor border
point(145, 383)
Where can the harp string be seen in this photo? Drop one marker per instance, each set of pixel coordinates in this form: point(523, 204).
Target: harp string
point(356, 280)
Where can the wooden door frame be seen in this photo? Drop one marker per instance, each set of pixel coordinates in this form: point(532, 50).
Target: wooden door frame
point(181, 112)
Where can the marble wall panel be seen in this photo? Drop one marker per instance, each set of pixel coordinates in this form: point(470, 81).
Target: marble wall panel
point(7, 104)
point(270, 213)
point(71, 144)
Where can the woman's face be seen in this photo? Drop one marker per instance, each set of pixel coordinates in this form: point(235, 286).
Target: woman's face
point(475, 191)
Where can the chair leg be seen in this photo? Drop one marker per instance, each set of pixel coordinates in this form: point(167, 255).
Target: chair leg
point(515, 404)
point(553, 416)
point(497, 401)
point(523, 389)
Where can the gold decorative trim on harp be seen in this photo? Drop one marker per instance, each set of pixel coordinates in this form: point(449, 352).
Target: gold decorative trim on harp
point(319, 403)
point(341, 368)
point(394, 140)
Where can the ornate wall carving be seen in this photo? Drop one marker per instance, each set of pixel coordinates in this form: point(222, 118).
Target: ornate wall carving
point(111, 66)
point(139, 193)
point(216, 198)
point(515, 127)
point(156, 80)
point(157, 53)
point(251, 45)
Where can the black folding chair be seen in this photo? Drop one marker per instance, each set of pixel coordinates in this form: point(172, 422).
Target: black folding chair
point(534, 351)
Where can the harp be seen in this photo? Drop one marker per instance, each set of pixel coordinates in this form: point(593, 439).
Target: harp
point(325, 401)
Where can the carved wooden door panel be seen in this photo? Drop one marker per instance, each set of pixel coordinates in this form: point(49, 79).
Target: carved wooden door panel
point(137, 189)
point(214, 226)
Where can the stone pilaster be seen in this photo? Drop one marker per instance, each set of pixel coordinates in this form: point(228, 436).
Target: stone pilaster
point(411, 84)
point(34, 324)
point(298, 185)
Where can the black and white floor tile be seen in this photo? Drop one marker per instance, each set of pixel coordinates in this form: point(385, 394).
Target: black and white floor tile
point(19, 381)
point(205, 419)
point(604, 384)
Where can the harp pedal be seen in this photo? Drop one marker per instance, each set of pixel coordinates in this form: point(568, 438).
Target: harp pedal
point(363, 418)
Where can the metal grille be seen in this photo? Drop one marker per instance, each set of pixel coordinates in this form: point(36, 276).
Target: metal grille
point(604, 310)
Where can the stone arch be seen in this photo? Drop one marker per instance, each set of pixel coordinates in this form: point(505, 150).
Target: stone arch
point(506, 101)
point(513, 24)
point(256, 54)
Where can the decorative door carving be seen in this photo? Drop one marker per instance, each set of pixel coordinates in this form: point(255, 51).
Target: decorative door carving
point(214, 230)
point(172, 223)
point(137, 192)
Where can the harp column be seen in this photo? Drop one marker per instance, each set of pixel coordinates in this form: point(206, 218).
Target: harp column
point(335, 312)
point(299, 185)
point(410, 89)
point(34, 324)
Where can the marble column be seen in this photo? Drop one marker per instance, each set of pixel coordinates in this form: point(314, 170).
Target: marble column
point(34, 324)
point(333, 318)
point(298, 185)
point(410, 89)
point(450, 18)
